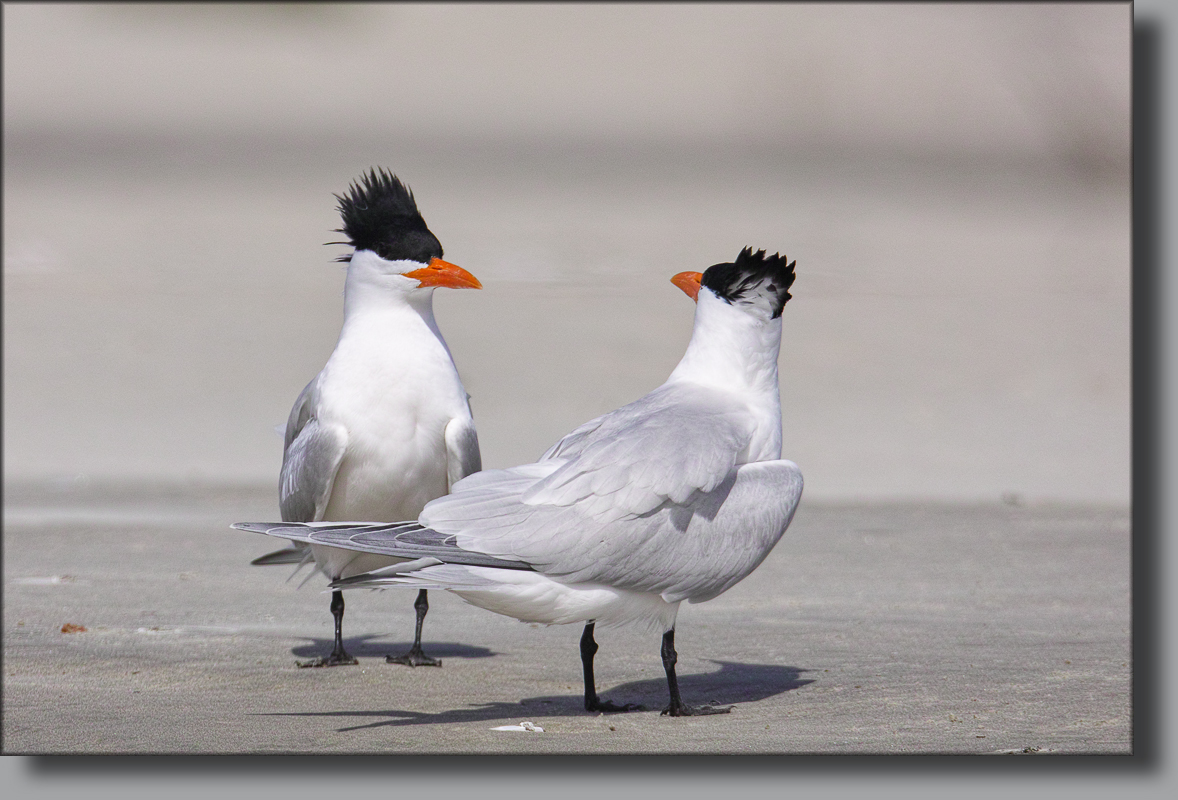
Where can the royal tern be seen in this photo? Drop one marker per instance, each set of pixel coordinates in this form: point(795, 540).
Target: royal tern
point(386, 426)
point(676, 496)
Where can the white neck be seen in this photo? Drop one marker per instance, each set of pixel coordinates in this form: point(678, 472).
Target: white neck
point(730, 348)
point(735, 351)
point(373, 287)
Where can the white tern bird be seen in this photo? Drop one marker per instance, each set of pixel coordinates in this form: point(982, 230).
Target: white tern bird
point(676, 496)
point(386, 426)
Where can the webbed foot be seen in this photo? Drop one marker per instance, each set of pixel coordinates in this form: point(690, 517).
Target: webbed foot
point(414, 658)
point(340, 659)
point(599, 706)
point(694, 711)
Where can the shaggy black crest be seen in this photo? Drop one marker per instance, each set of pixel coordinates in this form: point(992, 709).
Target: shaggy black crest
point(380, 215)
point(741, 280)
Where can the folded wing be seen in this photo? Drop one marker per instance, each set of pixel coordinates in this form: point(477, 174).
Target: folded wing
point(310, 460)
point(675, 441)
point(631, 499)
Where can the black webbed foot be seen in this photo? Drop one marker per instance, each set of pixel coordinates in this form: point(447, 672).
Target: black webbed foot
point(333, 660)
point(599, 706)
point(694, 711)
point(678, 708)
point(414, 658)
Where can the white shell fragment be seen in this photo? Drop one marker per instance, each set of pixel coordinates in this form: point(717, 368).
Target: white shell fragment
point(523, 726)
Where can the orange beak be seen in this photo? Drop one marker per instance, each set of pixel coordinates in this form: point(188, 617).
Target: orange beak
point(443, 273)
point(689, 283)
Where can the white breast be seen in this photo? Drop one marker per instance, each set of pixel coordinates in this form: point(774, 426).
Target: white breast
point(392, 384)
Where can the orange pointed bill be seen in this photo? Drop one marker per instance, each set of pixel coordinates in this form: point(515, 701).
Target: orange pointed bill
point(689, 283)
point(443, 273)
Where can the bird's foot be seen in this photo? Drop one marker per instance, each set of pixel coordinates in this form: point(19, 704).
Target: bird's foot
point(694, 711)
point(414, 658)
point(599, 706)
point(333, 660)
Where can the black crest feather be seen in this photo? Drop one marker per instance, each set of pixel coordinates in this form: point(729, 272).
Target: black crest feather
point(751, 276)
point(380, 214)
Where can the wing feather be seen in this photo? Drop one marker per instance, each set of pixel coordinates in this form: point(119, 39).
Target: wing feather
point(462, 449)
point(310, 460)
point(616, 495)
point(675, 441)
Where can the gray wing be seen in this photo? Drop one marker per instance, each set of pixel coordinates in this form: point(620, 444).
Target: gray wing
point(692, 551)
point(611, 501)
point(697, 551)
point(462, 450)
point(310, 459)
point(675, 441)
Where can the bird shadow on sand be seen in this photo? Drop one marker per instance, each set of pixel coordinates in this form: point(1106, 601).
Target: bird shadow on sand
point(374, 646)
point(732, 684)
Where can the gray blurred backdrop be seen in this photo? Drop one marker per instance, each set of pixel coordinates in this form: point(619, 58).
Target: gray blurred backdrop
point(953, 181)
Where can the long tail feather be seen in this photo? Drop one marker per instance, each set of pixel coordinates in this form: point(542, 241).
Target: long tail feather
point(407, 540)
point(288, 555)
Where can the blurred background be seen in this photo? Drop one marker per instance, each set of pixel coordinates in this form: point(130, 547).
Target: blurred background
point(953, 181)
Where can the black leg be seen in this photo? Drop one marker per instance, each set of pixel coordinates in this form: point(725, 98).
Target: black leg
point(677, 708)
point(592, 701)
point(339, 656)
point(588, 650)
point(416, 657)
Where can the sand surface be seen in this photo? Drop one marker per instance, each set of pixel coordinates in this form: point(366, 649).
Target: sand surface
point(881, 628)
